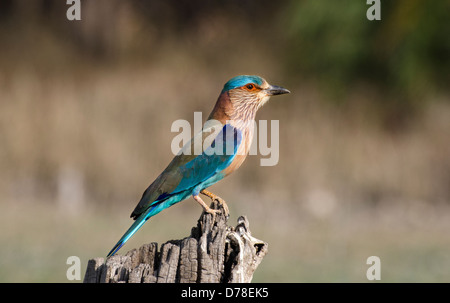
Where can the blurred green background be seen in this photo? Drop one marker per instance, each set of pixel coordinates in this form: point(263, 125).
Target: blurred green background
point(86, 109)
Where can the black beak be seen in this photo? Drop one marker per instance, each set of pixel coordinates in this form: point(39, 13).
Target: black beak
point(276, 90)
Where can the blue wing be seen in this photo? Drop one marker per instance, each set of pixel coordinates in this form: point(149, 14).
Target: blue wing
point(211, 162)
point(185, 176)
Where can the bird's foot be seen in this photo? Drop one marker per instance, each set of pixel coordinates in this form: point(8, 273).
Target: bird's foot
point(219, 200)
point(206, 208)
point(213, 212)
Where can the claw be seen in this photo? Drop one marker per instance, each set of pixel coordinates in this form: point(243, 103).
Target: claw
point(206, 208)
point(213, 212)
point(224, 205)
point(219, 200)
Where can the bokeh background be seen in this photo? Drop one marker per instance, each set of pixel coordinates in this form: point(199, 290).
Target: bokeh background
point(86, 109)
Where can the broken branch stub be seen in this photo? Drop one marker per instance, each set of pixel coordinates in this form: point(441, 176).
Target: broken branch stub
point(213, 253)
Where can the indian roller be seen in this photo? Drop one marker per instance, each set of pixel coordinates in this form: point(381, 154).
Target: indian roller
point(231, 122)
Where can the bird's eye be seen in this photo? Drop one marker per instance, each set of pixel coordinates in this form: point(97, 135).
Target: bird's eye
point(250, 86)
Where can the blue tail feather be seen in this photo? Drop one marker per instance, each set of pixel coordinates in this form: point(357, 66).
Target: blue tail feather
point(136, 225)
point(153, 210)
point(130, 232)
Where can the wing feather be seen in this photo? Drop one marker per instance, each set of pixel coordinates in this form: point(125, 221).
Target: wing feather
point(187, 171)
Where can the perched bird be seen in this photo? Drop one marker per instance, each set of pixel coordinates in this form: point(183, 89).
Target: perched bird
point(189, 174)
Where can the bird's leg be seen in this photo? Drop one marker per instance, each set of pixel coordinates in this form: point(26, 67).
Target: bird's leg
point(218, 199)
point(206, 208)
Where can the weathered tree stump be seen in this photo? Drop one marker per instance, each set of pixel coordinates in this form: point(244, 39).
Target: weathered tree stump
point(214, 252)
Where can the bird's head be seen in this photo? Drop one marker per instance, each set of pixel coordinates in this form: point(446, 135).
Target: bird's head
point(249, 93)
point(242, 96)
